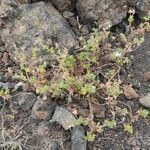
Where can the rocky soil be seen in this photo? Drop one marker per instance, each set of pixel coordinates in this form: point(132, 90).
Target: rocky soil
point(33, 123)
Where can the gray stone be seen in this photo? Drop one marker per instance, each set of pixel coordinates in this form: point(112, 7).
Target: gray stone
point(42, 129)
point(1, 55)
point(45, 106)
point(25, 100)
point(77, 138)
point(85, 30)
point(8, 8)
point(53, 146)
point(6, 85)
point(107, 13)
point(63, 117)
point(145, 100)
point(61, 4)
point(36, 26)
point(27, 1)
point(1, 42)
point(67, 14)
point(132, 2)
point(73, 22)
point(143, 8)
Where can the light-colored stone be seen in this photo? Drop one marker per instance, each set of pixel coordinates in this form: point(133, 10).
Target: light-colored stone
point(25, 100)
point(145, 100)
point(77, 138)
point(143, 8)
point(63, 117)
point(37, 26)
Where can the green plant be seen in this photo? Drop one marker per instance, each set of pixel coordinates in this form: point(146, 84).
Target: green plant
point(77, 75)
point(144, 113)
point(4, 93)
point(114, 89)
point(110, 124)
point(81, 121)
point(88, 89)
point(90, 137)
point(128, 128)
point(125, 111)
point(131, 16)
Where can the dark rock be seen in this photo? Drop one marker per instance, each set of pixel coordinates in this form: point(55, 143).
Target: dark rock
point(84, 103)
point(73, 22)
point(1, 42)
point(138, 68)
point(6, 85)
point(143, 8)
point(127, 147)
point(61, 4)
point(1, 54)
point(21, 85)
point(84, 30)
point(132, 2)
point(63, 117)
point(145, 100)
point(22, 1)
point(67, 14)
point(24, 114)
point(43, 106)
point(28, 1)
point(35, 27)
point(99, 111)
point(53, 145)
point(78, 141)
point(24, 100)
point(42, 129)
point(107, 13)
point(1, 76)
point(125, 28)
point(136, 142)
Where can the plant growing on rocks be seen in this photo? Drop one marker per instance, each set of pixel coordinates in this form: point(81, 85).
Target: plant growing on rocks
point(77, 75)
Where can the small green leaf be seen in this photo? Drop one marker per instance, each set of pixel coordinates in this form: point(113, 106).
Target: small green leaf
point(69, 61)
point(90, 137)
point(57, 92)
point(109, 124)
point(83, 56)
point(131, 19)
point(128, 128)
point(90, 76)
point(33, 80)
point(114, 90)
point(81, 121)
point(144, 113)
point(88, 89)
point(125, 111)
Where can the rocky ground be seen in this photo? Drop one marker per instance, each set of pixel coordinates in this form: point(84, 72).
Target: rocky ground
point(30, 122)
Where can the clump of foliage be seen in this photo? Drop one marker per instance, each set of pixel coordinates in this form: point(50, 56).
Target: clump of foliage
point(128, 128)
point(77, 75)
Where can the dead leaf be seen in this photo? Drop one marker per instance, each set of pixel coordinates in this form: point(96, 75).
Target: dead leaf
point(129, 92)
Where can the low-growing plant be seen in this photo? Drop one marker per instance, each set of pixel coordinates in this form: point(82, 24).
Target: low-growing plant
point(82, 121)
point(144, 113)
point(114, 89)
point(128, 128)
point(77, 75)
point(90, 137)
point(110, 124)
point(5, 93)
